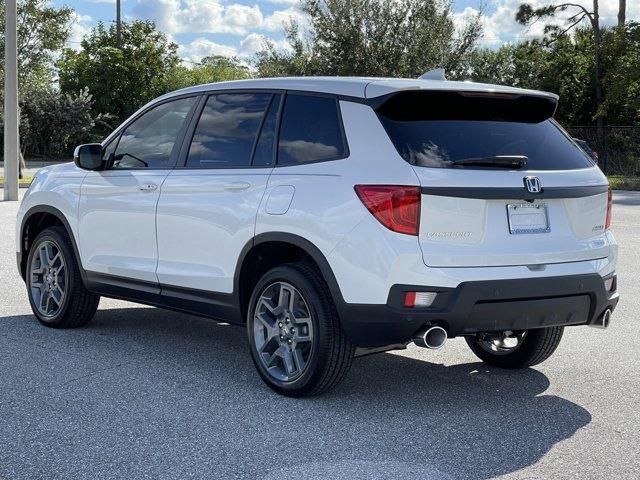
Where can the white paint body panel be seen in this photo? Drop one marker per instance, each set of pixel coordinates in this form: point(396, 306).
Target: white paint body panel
point(471, 232)
point(325, 207)
point(280, 199)
point(117, 223)
point(56, 186)
point(205, 218)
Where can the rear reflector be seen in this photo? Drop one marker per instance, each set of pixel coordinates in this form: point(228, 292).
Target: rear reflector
point(607, 223)
point(419, 299)
point(394, 206)
point(610, 284)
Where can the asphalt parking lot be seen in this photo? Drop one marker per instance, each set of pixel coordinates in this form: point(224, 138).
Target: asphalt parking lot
point(145, 393)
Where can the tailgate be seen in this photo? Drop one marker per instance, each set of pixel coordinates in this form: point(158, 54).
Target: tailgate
point(502, 183)
point(473, 224)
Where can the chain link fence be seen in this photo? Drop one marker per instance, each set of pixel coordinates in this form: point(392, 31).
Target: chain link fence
point(618, 147)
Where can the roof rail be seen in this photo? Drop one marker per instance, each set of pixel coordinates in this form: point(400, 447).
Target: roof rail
point(435, 74)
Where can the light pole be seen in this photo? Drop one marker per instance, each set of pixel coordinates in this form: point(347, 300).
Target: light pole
point(11, 139)
point(118, 24)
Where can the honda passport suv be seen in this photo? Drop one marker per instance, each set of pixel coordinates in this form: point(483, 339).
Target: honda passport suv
point(333, 218)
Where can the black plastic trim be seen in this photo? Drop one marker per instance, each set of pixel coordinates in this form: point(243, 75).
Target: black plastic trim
point(509, 193)
point(114, 286)
point(301, 242)
point(218, 306)
point(473, 307)
point(61, 217)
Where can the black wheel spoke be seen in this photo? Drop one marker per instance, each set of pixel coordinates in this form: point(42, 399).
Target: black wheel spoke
point(283, 331)
point(48, 278)
point(501, 343)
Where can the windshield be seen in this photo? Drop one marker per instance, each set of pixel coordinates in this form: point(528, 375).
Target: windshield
point(463, 131)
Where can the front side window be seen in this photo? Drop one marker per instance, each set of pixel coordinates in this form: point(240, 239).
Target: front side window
point(227, 130)
point(310, 130)
point(151, 141)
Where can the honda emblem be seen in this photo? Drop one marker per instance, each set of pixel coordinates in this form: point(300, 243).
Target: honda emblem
point(532, 184)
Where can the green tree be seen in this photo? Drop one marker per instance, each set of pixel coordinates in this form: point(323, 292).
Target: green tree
point(42, 31)
point(55, 123)
point(621, 54)
point(402, 38)
point(122, 79)
point(526, 15)
point(209, 70)
point(566, 67)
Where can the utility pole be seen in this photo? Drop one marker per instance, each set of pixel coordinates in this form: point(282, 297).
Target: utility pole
point(118, 24)
point(11, 139)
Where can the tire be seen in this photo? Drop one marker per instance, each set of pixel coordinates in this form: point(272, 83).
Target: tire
point(323, 359)
point(535, 347)
point(71, 305)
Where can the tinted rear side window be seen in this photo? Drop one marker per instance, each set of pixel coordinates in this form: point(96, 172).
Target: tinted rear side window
point(310, 131)
point(263, 156)
point(227, 130)
point(438, 129)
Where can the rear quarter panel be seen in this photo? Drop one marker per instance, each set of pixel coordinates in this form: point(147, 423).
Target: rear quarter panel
point(325, 207)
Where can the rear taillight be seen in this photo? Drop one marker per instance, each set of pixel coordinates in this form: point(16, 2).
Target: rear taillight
point(396, 207)
point(607, 223)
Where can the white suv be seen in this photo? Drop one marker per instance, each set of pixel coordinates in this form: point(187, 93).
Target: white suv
point(334, 217)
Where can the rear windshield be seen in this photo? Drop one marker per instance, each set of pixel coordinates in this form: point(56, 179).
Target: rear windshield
point(437, 129)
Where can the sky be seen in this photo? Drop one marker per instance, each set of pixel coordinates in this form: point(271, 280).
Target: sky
point(240, 27)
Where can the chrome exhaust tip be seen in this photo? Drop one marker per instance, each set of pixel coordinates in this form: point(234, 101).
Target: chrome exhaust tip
point(430, 337)
point(603, 320)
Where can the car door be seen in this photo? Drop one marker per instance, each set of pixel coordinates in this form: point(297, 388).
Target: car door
point(118, 205)
point(207, 208)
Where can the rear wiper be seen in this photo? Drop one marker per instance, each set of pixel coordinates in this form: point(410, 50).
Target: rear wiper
point(497, 161)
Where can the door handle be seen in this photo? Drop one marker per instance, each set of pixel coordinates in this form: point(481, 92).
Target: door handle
point(147, 187)
point(237, 186)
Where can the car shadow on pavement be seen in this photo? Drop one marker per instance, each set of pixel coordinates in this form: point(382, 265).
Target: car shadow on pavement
point(172, 396)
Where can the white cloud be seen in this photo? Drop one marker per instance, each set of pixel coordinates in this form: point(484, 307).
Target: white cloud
point(199, 16)
point(500, 25)
point(278, 19)
point(202, 47)
point(254, 43)
point(285, 2)
point(212, 16)
point(80, 26)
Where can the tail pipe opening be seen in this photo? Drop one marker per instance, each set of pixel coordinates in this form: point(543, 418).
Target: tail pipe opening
point(430, 337)
point(603, 320)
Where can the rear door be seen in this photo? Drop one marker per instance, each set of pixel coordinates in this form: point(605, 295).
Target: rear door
point(479, 208)
point(207, 208)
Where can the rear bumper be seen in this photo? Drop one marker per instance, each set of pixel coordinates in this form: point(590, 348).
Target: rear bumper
point(473, 307)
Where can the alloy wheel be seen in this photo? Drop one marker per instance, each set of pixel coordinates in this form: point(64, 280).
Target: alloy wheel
point(501, 343)
point(48, 279)
point(283, 331)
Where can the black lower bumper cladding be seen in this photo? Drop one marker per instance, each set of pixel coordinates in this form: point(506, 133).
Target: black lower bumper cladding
point(472, 307)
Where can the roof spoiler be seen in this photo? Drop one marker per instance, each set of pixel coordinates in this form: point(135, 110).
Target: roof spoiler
point(440, 104)
point(435, 74)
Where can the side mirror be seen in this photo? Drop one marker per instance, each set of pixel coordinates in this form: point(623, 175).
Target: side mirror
point(89, 156)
